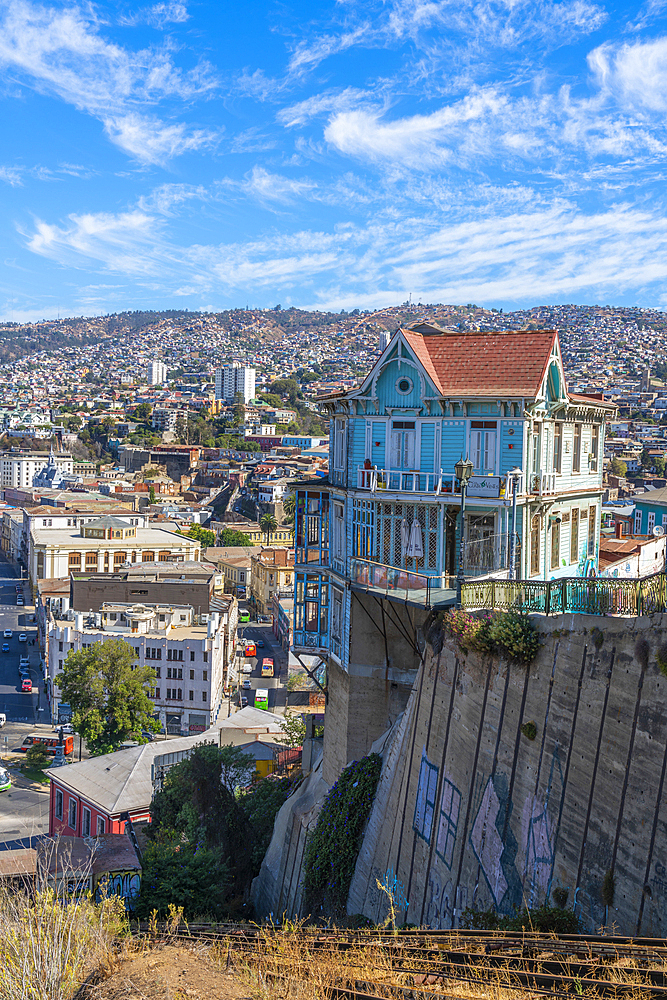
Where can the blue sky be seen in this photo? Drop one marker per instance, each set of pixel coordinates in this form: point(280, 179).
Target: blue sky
point(203, 155)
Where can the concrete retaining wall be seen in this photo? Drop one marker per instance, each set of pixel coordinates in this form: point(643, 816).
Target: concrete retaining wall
point(471, 812)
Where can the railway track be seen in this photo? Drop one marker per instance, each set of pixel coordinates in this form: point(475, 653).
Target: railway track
point(418, 964)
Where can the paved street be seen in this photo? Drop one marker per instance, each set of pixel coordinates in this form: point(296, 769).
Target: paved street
point(272, 648)
point(17, 706)
point(24, 813)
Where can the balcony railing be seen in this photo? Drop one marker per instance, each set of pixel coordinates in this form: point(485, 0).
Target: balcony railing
point(400, 481)
point(543, 484)
point(392, 581)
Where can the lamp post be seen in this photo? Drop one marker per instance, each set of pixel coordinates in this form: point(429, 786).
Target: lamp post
point(463, 472)
point(515, 474)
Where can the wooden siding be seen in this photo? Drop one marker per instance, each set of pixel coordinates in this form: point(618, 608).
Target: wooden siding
point(427, 449)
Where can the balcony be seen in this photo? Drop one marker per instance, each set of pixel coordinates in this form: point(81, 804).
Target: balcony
point(401, 584)
point(401, 481)
point(543, 484)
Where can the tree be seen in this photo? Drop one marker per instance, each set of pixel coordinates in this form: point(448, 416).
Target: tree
point(645, 459)
point(294, 731)
point(143, 411)
point(151, 494)
point(108, 693)
point(260, 806)
point(286, 387)
point(289, 507)
point(268, 524)
point(271, 399)
point(236, 767)
point(228, 536)
point(618, 467)
point(202, 535)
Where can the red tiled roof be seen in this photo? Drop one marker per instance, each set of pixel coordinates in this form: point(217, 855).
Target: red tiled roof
point(484, 364)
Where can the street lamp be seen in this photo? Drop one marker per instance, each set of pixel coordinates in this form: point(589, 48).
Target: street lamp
point(516, 475)
point(463, 472)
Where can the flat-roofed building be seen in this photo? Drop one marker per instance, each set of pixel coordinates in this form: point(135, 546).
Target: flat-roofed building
point(103, 545)
point(190, 660)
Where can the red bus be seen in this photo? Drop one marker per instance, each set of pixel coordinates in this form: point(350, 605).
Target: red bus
point(48, 742)
point(267, 667)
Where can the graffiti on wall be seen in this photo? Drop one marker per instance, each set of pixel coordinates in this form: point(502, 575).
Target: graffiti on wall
point(124, 884)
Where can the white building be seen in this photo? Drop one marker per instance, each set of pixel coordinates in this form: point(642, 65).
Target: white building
point(233, 379)
point(156, 373)
point(188, 659)
point(383, 340)
point(19, 468)
point(101, 545)
point(164, 418)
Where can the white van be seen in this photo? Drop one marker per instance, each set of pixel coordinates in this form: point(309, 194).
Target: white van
point(3, 719)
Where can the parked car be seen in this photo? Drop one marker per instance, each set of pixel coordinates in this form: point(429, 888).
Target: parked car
point(246, 684)
point(7, 633)
point(3, 719)
point(24, 662)
point(246, 668)
point(23, 637)
point(19, 601)
point(26, 684)
point(243, 701)
point(149, 736)
point(5, 647)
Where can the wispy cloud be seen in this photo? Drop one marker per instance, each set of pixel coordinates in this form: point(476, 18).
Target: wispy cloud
point(545, 252)
point(11, 175)
point(61, 52)
point(160, 15)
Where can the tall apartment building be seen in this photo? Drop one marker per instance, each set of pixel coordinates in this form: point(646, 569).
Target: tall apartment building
point(383, 339)
point(19, 468)
point(189, 659)
point(233, 379)
point(156, 373)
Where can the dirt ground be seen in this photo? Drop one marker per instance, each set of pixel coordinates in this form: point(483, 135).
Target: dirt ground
point(169, 972)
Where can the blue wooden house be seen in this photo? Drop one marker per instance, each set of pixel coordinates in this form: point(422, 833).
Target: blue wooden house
point(388, 519)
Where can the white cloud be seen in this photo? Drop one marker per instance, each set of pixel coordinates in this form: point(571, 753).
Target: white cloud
point(269, 187)
point(157, 16)
point(308, 54)
point(635, 73)
point(150, 140)
point(11, 175)
point(61, 52)
point(546, 251)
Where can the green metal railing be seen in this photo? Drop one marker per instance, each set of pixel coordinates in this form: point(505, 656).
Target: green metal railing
point(580, 595)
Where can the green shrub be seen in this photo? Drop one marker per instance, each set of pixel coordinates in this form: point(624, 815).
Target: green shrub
point(529, 730)
point(560, 895)
point(333, 846)
point(507, 632)
point(542, 918)
point(37, 756)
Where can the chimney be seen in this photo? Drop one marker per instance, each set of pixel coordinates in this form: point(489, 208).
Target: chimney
point(618, 533)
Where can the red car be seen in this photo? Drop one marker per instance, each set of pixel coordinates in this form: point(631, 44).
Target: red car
point(26, 684)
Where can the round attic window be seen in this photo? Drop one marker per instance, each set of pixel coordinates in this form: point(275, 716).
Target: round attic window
point(404, 385)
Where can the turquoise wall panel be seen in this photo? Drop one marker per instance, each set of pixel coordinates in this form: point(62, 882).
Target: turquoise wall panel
point(387, 391)
point(511, 446)
point(357, 452)
point(427, 456)
point(378, 435)
point(453, 444)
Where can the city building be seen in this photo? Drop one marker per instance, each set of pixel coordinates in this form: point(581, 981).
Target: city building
point(234, 563)
point(156, 373)
point(165, 419)
point(20, 468)
point(382, 535)
point(235, 379)
point(101, 545)
point(190, 660)
point(272, 573)
point(198, 584)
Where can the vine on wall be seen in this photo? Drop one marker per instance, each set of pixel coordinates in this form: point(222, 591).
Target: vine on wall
point(333, 846)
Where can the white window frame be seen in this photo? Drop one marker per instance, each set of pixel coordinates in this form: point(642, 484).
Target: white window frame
point(650, 524)
point(339, 444)
point(638, 522)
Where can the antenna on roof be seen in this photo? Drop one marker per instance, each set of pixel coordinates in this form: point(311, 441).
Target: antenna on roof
point(658, 531)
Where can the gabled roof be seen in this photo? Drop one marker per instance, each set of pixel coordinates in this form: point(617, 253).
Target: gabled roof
point(466, 364)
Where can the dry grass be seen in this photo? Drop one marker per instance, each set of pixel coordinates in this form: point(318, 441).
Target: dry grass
point(288, 964)
point(47, 949)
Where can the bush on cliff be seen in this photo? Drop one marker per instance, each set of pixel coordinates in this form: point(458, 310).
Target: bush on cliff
point(543, 918)
point(507, 632)
point(332, 848)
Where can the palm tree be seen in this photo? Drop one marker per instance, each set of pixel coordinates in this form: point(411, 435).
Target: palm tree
point(289, 507)
point(268, 524)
